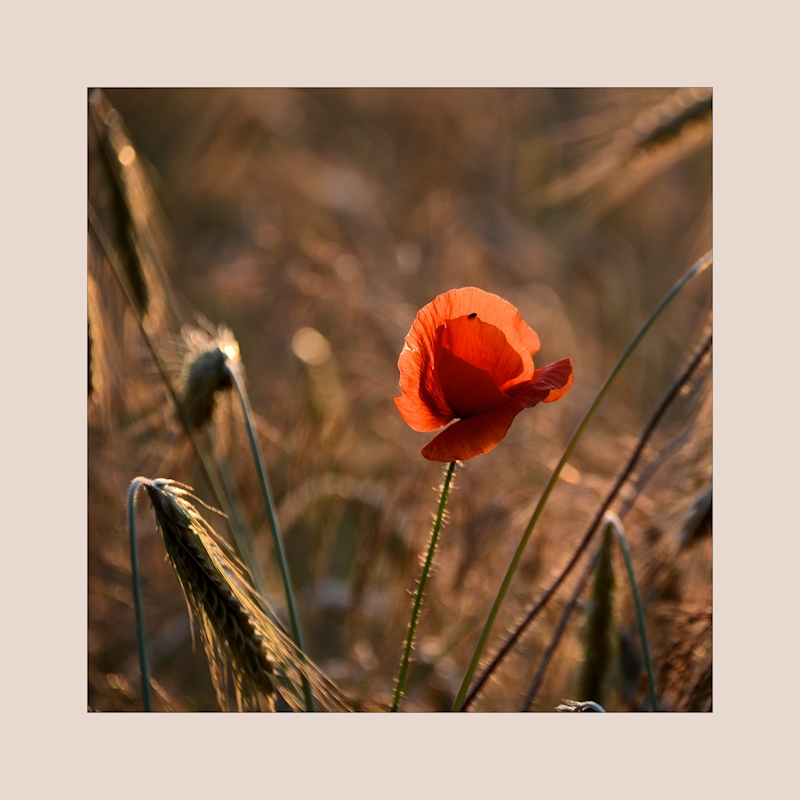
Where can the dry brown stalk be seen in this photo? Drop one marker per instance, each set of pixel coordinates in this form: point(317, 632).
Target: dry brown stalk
point(658, 137)
point(125, 202)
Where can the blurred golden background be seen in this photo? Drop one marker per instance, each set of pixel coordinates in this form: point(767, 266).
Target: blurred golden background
point(314, 224)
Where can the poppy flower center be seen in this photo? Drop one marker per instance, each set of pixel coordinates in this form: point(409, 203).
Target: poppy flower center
point(476, 366)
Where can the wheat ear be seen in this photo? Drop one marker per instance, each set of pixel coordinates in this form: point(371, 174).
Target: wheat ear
point(228, 628)
point(240, 641)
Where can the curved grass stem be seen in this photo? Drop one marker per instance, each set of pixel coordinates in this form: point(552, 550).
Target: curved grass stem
point(203, 457)
point(695, 270)
point(423, 579)
point(272, 517)
point(141, 633)
point(633, 459)
point(218, 490)
point(613, 521)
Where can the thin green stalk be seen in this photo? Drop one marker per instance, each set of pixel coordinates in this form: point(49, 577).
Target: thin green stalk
point(242, 541)
point(622, 478)
point(613, 522)
point(223, 499)
point(141, 634)
point(412, 623)
point(695, 270)
point(272, 517)
point(220, 498)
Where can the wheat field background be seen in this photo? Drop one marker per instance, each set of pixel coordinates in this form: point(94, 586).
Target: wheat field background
point(314, 224)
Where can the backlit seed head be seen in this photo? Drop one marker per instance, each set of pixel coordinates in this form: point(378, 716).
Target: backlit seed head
point(206, 371)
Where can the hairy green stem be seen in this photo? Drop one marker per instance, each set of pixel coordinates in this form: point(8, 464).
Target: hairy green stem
point(141, 633)
point(412, 623)
point(695, 270)
point(613, 521)
point(272, 517)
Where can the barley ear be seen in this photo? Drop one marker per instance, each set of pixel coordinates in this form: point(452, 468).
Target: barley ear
point(242, 644)
point(229, 630)
point(205, 371)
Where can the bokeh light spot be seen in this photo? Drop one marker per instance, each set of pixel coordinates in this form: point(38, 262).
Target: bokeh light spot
point(127, 156)
point(311, 346)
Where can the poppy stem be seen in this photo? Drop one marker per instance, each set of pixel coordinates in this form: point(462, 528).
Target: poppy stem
point(412, 624)
point(695, 270)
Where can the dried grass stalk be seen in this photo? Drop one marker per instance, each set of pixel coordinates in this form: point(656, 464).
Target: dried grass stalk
point(240, 641)
point(97, 377)
point(658, 137)
point(108, 389)
point(670, 117)
point(125, 202)
point(698, 521)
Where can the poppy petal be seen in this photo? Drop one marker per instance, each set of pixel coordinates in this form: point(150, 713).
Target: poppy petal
point(558, 377)
point(557, 394)
point(422, 404)
point(467, 389)
point(487, 347)
point(549, 383)
point(472, 436)
point(469, 355)
point(418, 417)
point(487, 307)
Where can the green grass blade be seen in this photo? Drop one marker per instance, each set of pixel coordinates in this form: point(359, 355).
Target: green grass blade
point(141, 633)
point(622, 478)
point(695, 270)
point(272, 517)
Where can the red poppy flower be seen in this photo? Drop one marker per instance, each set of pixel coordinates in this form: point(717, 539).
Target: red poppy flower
point(468, 357)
